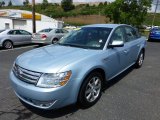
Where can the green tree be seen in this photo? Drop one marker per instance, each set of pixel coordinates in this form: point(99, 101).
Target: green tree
point(3, 3)
point(45, 3)
point(26, 2)
point(100, 4)
point(10, 3)
point(67, 5)
point(105, 3)
point(131, 12)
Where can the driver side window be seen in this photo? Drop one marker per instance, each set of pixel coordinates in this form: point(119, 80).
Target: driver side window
point(118, 35)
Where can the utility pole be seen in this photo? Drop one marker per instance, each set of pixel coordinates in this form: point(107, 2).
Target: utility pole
point(33, 17)
point(155, 12)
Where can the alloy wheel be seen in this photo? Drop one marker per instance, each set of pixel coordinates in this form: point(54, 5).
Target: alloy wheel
point(93, 89)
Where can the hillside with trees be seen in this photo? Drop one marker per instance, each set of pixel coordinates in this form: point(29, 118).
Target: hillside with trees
point(121, 11)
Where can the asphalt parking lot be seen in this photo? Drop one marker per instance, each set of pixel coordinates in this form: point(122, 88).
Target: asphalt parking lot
point(134, 95)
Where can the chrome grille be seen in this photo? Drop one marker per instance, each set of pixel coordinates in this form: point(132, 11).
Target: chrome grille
point(26, 75)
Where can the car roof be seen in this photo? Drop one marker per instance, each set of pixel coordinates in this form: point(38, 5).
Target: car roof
point(105, 25)
point(156, 28)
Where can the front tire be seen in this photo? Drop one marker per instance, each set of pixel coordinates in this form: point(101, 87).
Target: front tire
point(91, 90)
point(140, 60)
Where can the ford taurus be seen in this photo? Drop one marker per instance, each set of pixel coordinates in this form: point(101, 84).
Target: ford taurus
point(74, 69)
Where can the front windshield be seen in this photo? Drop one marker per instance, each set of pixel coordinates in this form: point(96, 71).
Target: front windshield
point(156, 29)
point(87, 37)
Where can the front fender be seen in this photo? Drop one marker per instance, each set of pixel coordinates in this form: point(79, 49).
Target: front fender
point(79, 73)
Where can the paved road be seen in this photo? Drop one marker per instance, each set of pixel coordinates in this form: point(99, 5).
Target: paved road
point(134, 95)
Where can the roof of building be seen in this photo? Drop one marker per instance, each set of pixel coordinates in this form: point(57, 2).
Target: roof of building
point(23, 14)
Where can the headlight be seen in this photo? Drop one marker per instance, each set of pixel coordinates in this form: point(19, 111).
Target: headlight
point(51, 80)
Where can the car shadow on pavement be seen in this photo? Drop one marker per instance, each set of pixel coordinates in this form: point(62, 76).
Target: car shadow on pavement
point(65, 111)
point(153, 40)
point(117, 78)
point(18, 46)
point(71, 109)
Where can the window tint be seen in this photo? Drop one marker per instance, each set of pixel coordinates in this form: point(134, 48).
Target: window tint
point(87, 37)
point(131, 34)
point(45, 30)
point(58, 31)
point(118, 35)
point(64, 31)
point(14, 32)
point(22, 32)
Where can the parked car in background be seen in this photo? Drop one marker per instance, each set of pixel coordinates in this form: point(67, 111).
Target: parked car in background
point(9, 38)
point(48, 36)
point(154, 34)
point(76, 68)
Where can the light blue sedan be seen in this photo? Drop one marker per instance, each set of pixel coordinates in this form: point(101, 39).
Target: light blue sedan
point(74, 70)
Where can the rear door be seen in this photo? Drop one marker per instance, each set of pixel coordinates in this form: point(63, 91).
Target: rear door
point(58, 33)
point(26, 36)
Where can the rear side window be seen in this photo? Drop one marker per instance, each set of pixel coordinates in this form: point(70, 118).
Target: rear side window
point(22, 32)
point(45, 30)
point(131, 34)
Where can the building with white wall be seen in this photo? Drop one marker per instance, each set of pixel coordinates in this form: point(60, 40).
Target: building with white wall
point(21, 19)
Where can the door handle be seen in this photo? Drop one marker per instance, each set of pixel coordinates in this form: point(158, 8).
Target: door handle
point(138, 45)
point(125, 51)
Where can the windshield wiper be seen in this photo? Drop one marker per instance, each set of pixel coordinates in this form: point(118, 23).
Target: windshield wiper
point(73, 45)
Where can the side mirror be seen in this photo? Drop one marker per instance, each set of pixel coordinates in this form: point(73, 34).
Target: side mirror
point(116, 44)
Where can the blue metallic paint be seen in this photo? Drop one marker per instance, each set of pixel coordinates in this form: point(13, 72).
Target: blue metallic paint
point(55, 58)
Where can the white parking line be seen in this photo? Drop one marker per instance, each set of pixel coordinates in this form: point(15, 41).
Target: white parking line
point(17, 48)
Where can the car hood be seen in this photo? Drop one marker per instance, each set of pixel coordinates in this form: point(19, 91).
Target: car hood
point(51, 59)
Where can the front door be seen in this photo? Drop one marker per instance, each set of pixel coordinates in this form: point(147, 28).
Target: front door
point(117, 56)
point(14, 36)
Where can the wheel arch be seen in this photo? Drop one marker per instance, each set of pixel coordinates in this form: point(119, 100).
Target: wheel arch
point(97, 69)
point(53, 39)
point(143, 50)
point(7, 40)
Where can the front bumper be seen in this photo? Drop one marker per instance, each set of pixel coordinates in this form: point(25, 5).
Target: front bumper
point(156, 37)
point(43, 98)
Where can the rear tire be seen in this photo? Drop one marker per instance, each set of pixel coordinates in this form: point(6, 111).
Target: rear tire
point(54, 40)
point(91, 90)
point(140, 60)
point(8, 44)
